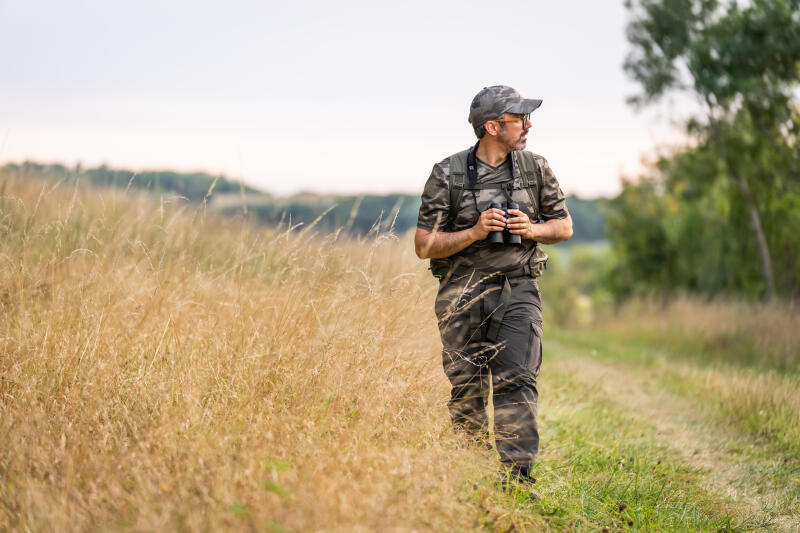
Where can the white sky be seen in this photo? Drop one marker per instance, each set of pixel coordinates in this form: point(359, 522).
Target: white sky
point(325, 96)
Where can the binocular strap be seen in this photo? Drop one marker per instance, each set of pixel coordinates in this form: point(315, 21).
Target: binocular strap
point(507, 189)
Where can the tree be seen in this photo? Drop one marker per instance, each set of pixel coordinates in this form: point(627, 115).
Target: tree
point(742, 63)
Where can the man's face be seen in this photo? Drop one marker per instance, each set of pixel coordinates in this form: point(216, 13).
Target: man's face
point(514, 131)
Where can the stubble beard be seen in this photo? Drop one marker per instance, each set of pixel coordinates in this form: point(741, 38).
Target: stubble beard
point(519, 143)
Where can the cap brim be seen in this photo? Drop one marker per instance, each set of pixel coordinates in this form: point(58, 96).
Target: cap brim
point(525, 106)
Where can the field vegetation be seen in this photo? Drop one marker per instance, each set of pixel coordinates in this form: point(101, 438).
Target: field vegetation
point(167, 363)
point(165, 369)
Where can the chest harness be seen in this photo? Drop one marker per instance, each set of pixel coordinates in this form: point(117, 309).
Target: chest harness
point(464, 177)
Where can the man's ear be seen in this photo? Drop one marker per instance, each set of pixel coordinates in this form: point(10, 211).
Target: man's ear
point(492, 128)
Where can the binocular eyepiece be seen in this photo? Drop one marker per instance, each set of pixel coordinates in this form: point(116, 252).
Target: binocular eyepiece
point(504, 237)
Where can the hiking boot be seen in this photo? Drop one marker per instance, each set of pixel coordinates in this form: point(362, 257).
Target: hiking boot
point(523, 472)
point(519, 477)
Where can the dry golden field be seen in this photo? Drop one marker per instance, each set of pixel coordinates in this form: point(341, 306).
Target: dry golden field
point(164, 369)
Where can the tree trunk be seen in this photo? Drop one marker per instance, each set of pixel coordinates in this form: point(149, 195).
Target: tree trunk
point(755, 219)
point(761, 240)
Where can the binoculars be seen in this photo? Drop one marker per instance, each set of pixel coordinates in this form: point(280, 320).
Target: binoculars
point(504, 237)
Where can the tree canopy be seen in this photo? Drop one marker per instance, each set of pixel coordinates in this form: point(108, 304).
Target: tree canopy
point(725, 209)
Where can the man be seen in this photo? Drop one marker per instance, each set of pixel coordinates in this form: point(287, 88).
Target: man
point(488, 306)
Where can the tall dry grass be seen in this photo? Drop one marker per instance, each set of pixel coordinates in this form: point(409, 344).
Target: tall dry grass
point(766, 404)
point(160, 369)
point(748, 355)
point(764, 333)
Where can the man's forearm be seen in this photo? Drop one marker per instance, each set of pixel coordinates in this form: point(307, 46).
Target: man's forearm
point(552, 231)
point(433, 245)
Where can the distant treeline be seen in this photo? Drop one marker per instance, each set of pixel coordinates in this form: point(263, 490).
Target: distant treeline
point(192, 185)
point(361, 214)
point(357, 214)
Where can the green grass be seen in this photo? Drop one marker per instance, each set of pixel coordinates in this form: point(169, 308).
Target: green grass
point(601, 468)
point(603, 460)
point(762, 402)
point(756, 411)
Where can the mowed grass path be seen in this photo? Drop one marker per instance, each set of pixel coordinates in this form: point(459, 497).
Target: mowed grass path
point(164, 370)
point(753, 480)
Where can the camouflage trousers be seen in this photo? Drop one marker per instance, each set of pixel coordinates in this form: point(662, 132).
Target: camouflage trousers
point(510, 362)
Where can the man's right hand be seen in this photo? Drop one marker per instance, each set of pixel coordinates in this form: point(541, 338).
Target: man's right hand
point(435, 244)
point(490, 220)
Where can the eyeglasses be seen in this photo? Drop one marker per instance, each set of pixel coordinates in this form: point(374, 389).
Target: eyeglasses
point(524, 118)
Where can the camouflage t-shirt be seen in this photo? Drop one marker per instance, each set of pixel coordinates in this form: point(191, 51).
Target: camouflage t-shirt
point(435, 210)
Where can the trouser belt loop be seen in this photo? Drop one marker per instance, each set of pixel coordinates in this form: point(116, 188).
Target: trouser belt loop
point(500, 311)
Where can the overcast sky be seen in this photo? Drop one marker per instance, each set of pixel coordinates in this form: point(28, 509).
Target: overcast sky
point(324, 96)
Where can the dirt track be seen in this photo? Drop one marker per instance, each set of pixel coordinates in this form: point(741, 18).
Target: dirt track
point(729, 464)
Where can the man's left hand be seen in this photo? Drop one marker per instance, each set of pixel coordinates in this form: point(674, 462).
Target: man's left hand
point(520, 224)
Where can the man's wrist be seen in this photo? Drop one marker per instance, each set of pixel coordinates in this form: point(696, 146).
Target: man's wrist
point(530, 235)
point(471, 237)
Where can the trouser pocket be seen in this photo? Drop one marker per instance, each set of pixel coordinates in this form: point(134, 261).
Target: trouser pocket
point(535, 348)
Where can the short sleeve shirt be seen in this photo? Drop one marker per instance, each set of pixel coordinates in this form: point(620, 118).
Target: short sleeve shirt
point(435, 210)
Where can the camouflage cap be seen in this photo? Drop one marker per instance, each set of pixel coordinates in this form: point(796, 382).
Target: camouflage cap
point(491, 102)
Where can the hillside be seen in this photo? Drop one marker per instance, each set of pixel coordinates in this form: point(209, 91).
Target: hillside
point(359, 214)
point(194, 186)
